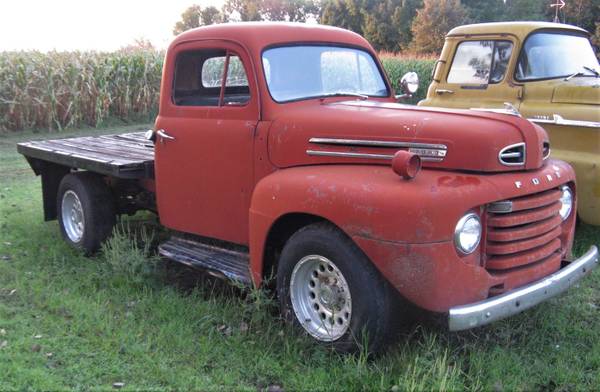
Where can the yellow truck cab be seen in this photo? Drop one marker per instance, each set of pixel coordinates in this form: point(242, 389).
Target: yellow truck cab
point(548, 72)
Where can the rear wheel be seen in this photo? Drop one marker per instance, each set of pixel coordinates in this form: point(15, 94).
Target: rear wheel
point(86, 211)
point(328, 288)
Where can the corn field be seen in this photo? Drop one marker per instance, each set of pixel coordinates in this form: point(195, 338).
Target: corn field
point(56, 90)
point(396, 66)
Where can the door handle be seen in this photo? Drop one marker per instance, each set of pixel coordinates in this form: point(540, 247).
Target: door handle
point(441, 91)
point(163, 135)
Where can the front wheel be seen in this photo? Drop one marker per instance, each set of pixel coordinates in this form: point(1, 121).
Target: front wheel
point(328, 288)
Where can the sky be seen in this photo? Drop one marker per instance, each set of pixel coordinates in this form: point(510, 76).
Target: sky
point(89, 24)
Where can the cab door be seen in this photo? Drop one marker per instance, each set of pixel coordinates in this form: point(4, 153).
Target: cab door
point(476, 75)
point(204, 140)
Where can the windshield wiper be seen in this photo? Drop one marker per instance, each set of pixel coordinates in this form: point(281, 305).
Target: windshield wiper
point(592, 70)
point(344, 94)
point(580, 73)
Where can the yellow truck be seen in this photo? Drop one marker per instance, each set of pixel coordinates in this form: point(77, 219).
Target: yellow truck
point(545, 72)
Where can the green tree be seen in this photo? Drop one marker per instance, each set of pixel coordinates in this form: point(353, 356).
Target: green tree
point(582, 13)
point(378, 27)
point(526, 10)
point(433, 22)
point(195, 16)
point(481, 11)
point(290, 10)
point(211, 15)
point(387, 24)
point(596, 39)
point(403, 21)
point(274, 10)
point(248, 10)
point(347, 14)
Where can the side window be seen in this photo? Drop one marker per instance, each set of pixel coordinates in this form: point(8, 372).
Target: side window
point(237, 92)
point(199, 75)
point(212, 71)
point(502, 53)
point(480, 62)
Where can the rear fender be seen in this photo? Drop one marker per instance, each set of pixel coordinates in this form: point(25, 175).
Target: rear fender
point(51, 174)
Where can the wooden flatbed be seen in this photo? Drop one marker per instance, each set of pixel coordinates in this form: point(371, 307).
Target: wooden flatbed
point(127, 155)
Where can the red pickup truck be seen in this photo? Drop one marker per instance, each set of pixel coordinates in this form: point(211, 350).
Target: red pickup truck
point(280, 151)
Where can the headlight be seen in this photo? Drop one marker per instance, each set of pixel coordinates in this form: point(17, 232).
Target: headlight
point(566, 201)
point(467, 233)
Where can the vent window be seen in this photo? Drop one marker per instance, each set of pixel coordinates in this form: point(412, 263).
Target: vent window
point(513, 155)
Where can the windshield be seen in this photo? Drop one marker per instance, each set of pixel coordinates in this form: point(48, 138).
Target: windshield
point(553, 55)
point(301, 72)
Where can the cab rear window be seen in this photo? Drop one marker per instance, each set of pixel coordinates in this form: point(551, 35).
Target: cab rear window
point(198, 79)
point(480, 62)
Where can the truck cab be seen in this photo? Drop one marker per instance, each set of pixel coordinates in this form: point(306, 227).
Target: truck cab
point(281, 158)
point(548, 72)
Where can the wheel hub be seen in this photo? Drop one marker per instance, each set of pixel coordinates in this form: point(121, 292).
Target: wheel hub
point(321, 298)
point(331, 297)
point(72, 216)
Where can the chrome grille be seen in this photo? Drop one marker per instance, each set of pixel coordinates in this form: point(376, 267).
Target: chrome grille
point(523, 238)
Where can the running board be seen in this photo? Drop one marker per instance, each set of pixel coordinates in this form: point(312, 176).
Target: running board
point(222, 262)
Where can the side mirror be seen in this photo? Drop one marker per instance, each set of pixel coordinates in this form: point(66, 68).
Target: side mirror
point(409, 84)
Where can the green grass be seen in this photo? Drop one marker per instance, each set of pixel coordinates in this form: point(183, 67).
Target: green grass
point(67, 321)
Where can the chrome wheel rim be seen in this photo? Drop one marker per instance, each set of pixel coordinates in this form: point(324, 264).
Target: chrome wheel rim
point(321, 298)
point(72, 216)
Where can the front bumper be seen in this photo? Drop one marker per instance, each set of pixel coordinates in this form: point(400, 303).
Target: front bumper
point(513, 302)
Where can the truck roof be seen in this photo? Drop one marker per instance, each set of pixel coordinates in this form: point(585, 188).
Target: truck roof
point(258, 35)
point(520, 29)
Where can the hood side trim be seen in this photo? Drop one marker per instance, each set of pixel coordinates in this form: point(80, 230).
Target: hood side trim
point(426, 151)
point(375, 143)
point(348, 154)
point(559, 120)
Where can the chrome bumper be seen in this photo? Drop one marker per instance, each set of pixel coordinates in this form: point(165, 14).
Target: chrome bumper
point(513, 302)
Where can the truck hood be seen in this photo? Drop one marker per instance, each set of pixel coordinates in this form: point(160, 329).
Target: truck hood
point(582, 90)
point(372, 131)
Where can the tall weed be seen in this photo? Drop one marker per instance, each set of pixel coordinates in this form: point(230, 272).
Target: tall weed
point(128, 255)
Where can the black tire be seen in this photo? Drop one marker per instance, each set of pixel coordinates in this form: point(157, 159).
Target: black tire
point(97, 206)
point(373, 301)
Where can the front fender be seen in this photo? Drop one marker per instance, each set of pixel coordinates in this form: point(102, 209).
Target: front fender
point(372, 202)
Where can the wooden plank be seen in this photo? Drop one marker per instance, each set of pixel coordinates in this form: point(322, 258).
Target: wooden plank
point(126, 155)
point(138, 145)
point(110, 149)
point(137, 137)
point(65, 147)
point(107, 148)
point(67, 160)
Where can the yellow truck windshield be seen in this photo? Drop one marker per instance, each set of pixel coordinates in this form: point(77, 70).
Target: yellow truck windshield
point(547, 55)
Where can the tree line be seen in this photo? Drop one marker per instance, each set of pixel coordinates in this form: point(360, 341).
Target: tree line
point(396, 25)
